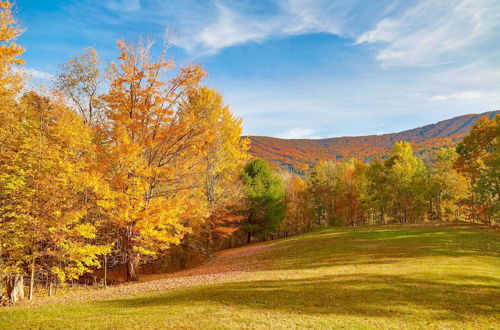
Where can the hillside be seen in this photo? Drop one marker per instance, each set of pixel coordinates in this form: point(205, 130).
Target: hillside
point(413, 276)
point(300, 154)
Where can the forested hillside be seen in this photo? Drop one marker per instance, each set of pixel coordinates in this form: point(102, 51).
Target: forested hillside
point(298, 155)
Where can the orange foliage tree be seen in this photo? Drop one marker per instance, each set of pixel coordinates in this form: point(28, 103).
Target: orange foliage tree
point(298, 218)
point(155, 147)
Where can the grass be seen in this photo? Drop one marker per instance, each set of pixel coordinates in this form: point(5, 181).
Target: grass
point(366, 277)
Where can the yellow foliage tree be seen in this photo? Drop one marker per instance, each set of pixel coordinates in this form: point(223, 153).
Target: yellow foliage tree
point(222, 164)
point(10, 52)
point(11, 139)
point(44, 215)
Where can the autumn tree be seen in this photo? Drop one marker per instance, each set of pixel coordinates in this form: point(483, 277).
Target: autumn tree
point(322, 187)
point(298, 217)
point(79, 80)
point(377, 196)
point(405, 174)
point(265, 196)
point(447, 187)
point(219, 180)
point(155, 149)
point(44, 219)
point(10, 52)
point(11, 176)
point(335, 190)
point(479, 160)
point(351, 183)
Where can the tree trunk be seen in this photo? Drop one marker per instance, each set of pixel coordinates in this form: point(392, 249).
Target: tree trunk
point(15, 287)
point(132, 266)
point(32, 279)
point(182, 260)
point(249, 237)
point(105, 271)
point(209, 243)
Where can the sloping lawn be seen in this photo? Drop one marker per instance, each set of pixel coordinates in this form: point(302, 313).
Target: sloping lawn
point(407, 277)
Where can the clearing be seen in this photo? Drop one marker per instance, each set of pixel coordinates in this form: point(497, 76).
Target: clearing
point(420, 276)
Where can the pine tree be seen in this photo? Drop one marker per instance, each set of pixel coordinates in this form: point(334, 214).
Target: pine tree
point(265, 194)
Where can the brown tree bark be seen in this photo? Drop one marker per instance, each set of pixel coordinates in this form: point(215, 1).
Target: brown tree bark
point(105, 271)
point(15, 287)
point(132, 266)
point(32, 280)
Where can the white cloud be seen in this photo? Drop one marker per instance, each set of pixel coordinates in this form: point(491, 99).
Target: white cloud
point(464, 96)
point(233, 27)
point(428, 33)
point(298, 133)
point(34, 73)
point(484, 72)
point(433, 32)
point(39, 74)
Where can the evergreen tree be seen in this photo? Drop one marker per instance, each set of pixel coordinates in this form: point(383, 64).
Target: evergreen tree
point(265, 196)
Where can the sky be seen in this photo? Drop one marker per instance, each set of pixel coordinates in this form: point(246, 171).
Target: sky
point(298, 68)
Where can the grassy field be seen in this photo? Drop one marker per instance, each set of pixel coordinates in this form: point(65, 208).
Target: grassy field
point(368, 277)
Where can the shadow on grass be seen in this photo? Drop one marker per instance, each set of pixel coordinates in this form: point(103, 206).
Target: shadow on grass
point(361, 294)
point(427, 295)
point(345, 247)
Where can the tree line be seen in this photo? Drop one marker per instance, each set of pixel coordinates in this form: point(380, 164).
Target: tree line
point(458, 184)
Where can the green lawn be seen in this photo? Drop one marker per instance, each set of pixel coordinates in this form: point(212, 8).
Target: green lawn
point(367, 277)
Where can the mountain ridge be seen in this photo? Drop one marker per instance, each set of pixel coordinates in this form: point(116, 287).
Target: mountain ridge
point(298, 155)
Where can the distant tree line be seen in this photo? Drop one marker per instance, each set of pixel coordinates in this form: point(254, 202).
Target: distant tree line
point(459, 184)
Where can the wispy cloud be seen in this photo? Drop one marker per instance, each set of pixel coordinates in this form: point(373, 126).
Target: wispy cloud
point(235, 26)
point(427, 33)
point(465, 95)
point(482, 72)
point(34, 73)
point(298, 133)
point(230, 28)
point(39, 74)
point(432, 32)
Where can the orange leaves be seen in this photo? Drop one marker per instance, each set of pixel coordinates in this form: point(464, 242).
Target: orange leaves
point(153, 143)
point(9, 31)
point(222, 154)
point(135, 167)
point(188, 77)
point(10, 52)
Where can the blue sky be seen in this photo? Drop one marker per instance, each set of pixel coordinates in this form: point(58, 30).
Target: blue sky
point(299, 68)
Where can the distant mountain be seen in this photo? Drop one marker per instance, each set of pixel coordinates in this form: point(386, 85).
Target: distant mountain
point(297, 155)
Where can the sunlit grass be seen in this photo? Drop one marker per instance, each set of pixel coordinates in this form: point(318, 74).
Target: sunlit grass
point(367, 277)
